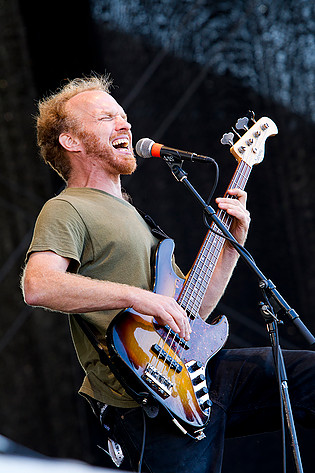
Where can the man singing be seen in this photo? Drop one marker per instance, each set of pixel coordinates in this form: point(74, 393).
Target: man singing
point(91, 254)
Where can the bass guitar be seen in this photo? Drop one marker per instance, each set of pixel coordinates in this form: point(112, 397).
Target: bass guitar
point(169, 368)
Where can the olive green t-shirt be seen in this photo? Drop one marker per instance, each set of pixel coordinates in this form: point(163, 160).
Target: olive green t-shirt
point(106, 239)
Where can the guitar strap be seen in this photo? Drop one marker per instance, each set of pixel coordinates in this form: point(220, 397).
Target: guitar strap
point(86, 327)
point(155, 228)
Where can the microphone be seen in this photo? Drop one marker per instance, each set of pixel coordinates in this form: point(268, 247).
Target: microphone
point(146, 148)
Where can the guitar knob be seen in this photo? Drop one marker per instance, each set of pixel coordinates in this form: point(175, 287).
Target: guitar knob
point(196, 366)
point(202, 392)
point(206, 404)
point(198, 379)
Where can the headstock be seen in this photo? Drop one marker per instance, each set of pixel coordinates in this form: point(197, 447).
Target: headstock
point(250, 147)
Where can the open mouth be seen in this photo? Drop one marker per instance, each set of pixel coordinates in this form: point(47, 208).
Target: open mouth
point(121, 143)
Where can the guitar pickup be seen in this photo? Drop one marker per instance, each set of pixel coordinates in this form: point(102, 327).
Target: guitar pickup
point(167, 358)
point(157, 381)
point(181, 341)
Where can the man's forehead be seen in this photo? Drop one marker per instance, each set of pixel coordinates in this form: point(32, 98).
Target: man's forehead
point(92, 100)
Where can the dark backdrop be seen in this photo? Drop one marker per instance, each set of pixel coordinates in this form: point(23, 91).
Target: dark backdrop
point(184, 71)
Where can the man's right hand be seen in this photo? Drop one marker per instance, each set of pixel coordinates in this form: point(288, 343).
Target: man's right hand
point(164, 309)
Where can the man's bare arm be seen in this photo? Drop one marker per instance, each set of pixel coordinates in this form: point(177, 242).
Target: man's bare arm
point(46, 283)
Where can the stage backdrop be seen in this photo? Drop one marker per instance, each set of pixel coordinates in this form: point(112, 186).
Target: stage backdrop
point(185, 71)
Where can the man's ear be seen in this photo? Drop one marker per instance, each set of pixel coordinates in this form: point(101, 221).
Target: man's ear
point(69, 142)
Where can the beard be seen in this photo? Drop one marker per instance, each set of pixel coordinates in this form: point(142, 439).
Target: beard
point(104, 153)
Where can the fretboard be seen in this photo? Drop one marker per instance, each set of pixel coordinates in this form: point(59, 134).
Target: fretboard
point(202, 270)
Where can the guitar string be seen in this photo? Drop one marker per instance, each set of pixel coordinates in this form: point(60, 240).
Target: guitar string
point(212, 246)
point(211, 241)
point(216, 243)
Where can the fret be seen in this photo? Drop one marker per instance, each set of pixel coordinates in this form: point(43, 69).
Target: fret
point(201, 272)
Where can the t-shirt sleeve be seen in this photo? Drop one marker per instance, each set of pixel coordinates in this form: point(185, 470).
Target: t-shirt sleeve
point(59, 228)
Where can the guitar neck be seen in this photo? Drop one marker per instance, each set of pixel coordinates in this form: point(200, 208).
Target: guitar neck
point(201, 272)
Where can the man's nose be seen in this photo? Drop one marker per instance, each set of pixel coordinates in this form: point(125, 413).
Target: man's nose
point(122, 123)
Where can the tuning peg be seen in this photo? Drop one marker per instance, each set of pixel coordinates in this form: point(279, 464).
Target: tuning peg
point(227, 139)
point(241, 124)
point(251, 116)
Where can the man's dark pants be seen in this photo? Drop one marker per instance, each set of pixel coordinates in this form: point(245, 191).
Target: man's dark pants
point(245, 396)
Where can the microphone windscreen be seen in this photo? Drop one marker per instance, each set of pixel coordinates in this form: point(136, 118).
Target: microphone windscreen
point(143, 147)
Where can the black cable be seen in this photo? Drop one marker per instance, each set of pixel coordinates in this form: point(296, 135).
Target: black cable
point(216, 180)
point(234, 242)
point(143, 442)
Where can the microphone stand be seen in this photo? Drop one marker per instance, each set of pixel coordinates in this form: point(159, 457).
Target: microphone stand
point(274, 304)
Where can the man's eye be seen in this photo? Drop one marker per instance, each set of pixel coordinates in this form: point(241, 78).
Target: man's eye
point(106, 117)
point(112, 117)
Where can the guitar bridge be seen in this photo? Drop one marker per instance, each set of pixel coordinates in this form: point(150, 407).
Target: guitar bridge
point(157, 381)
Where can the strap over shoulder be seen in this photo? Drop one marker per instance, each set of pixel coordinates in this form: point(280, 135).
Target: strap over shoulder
point(155, 228)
